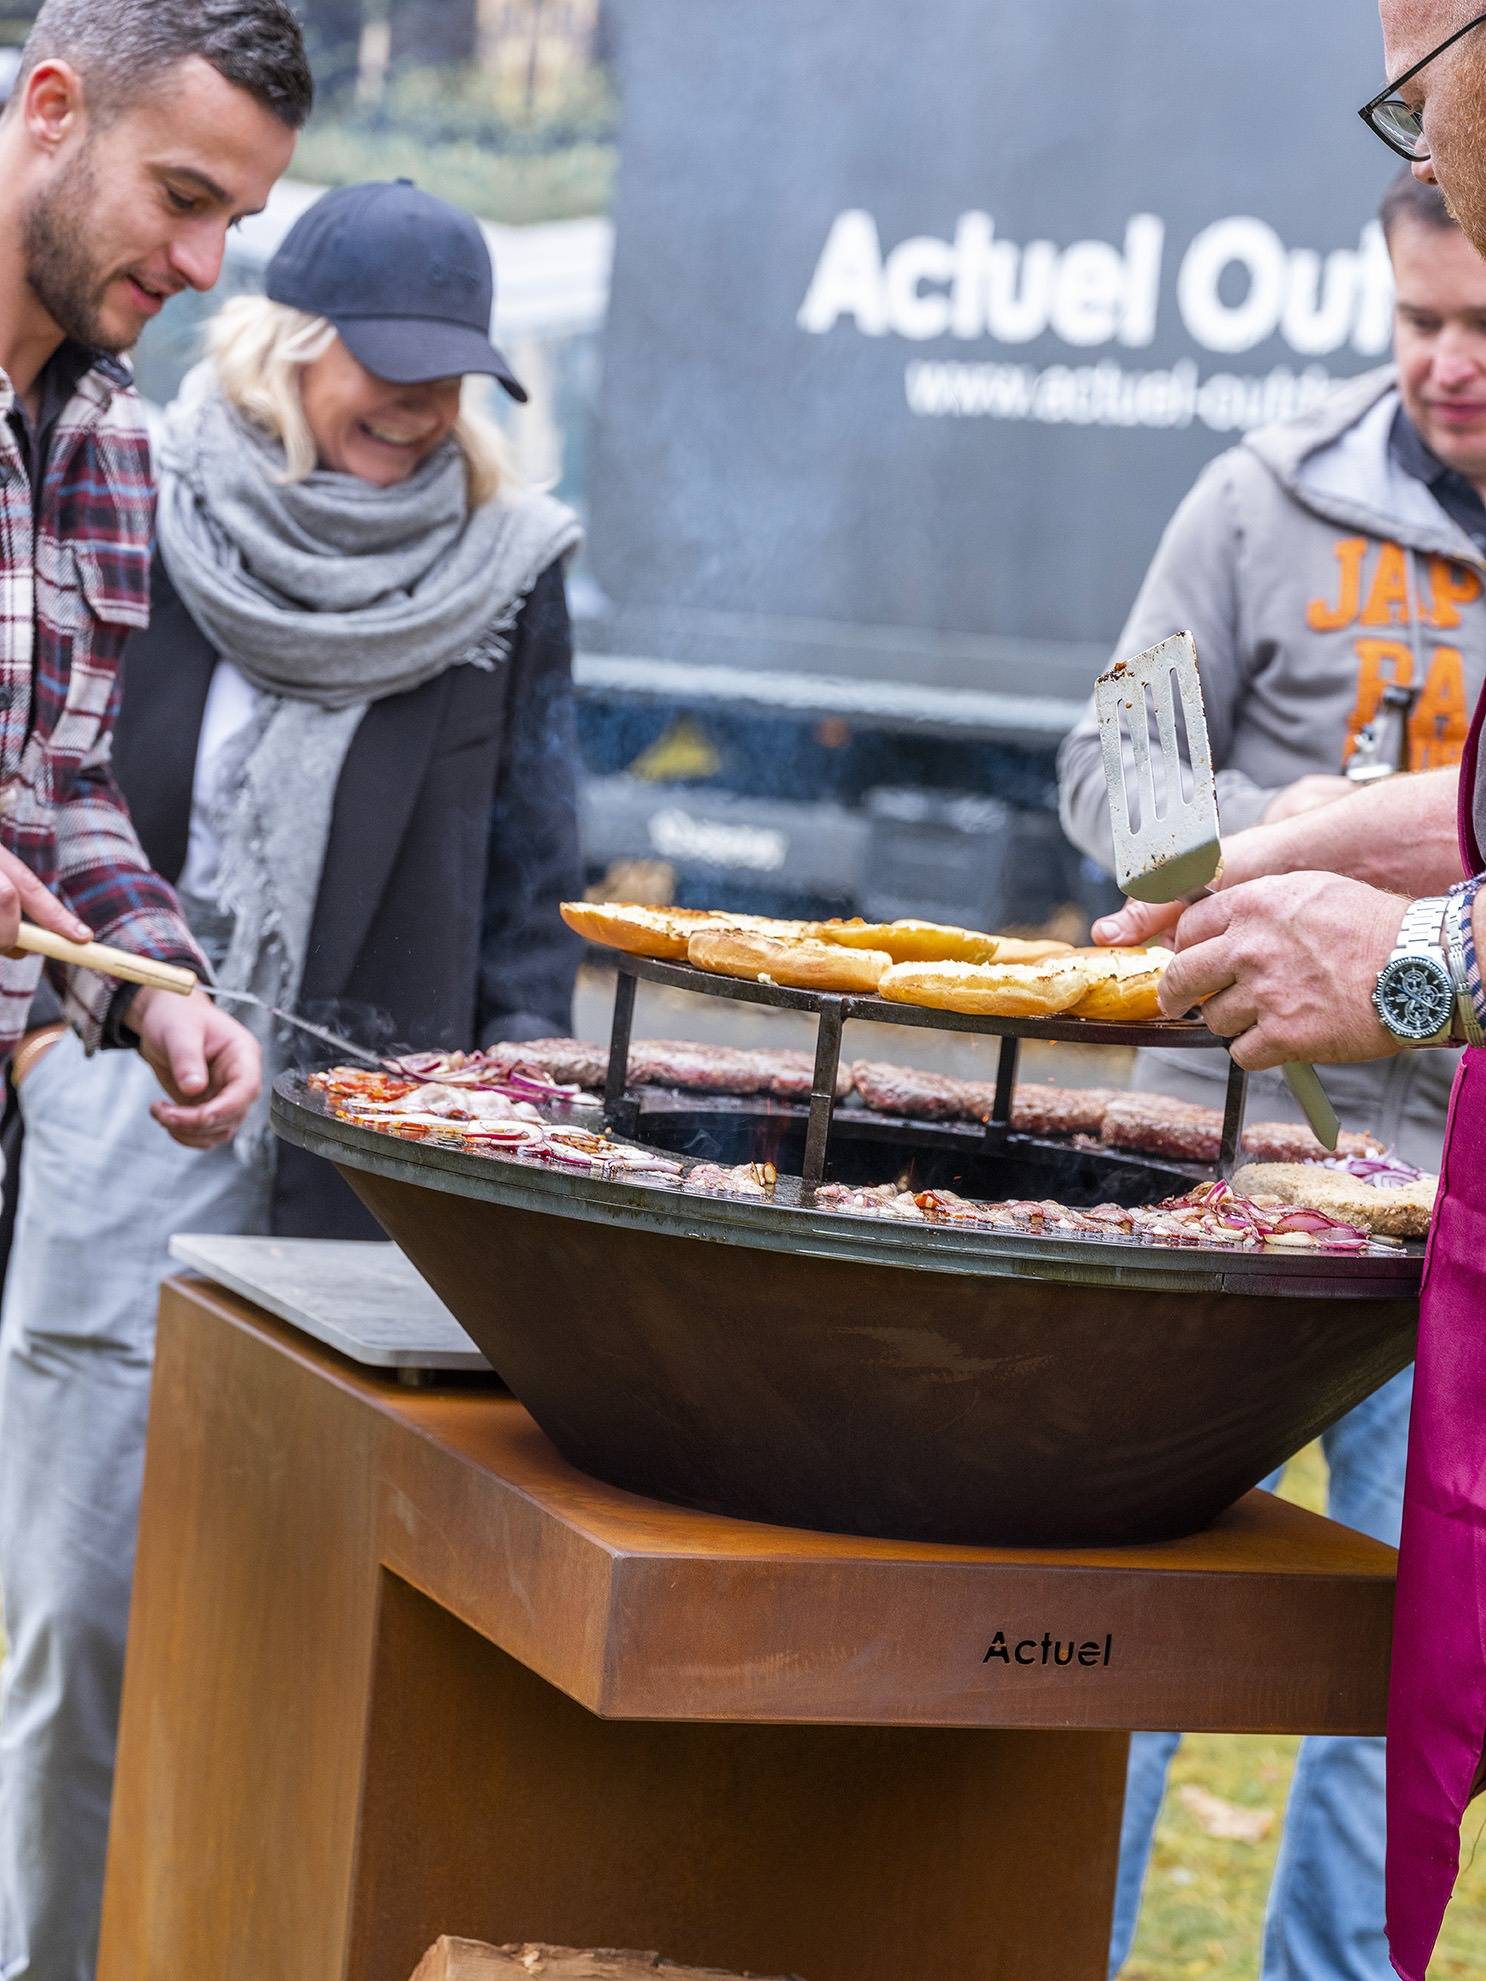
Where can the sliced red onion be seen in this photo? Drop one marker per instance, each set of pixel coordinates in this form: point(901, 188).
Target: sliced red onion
point(1304, 1219)
point(569, 1158)
point(1385, 1172)
point(531, 1083)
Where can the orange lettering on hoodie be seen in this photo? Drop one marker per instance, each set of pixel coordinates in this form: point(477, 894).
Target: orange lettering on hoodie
point(1324, 618)
point(1388, 601)
point(1379, 664)
point(1441, 720)
point(1452, 585)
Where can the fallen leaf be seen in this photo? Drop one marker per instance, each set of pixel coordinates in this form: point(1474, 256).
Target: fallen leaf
point(1225, 1820)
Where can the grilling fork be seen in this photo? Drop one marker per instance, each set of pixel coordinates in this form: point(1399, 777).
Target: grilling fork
point(126, 967)
point(1174, 852)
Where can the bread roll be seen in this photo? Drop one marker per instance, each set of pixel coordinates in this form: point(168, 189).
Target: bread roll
point(641, 930)
point(636, 928)
point(1124, 983)
point(760, 924)
point(800, 964)
point(1017, 949)
point(908, 941)
point(990, 990)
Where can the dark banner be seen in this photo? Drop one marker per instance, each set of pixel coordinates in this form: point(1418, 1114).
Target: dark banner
point(925, 317)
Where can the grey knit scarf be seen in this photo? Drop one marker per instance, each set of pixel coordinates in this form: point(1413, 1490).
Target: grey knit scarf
point(328, 594)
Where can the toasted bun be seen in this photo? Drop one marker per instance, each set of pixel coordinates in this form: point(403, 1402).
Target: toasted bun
point(660, 932)
point(990, 990)
point(1402, 1211)
point(758, 924)
point(631, 926)
point(787, 932)
point(1125, 983)
point(908, 941)
point(1016, 949)
point(800, 964)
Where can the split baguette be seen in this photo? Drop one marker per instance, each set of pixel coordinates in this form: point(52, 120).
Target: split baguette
point(635, 928)
point(1028, 949)
point(641, 930)
point(990, 990)
point(909, 941)
point(797, 963)
point(1125, 984)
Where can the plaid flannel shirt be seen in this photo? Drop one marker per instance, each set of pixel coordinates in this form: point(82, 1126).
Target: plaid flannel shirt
point(74, 582)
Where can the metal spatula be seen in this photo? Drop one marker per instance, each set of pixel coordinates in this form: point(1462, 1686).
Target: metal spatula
point(1166, 835)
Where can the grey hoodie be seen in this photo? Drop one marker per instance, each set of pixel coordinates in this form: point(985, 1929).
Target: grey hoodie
point(1313, 570)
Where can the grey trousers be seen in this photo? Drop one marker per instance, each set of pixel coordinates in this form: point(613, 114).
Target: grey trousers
point(102, 1188)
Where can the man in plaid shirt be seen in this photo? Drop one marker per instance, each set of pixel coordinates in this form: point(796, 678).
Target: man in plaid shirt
point(138, 132)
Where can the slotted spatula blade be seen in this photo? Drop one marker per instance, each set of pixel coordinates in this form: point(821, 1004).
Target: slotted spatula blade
point(1166, 837)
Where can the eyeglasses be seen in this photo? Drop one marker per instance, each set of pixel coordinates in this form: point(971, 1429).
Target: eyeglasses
point(1399, 124)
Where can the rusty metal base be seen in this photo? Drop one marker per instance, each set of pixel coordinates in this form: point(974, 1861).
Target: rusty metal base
point(868, 1400)
point(783, 1364)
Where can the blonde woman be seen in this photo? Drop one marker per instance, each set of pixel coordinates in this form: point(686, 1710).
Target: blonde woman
point(348, 738)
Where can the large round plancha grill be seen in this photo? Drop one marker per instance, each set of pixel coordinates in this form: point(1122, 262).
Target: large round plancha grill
point(777, 1361)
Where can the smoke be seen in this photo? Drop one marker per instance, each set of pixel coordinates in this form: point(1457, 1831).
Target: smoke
point(369, 1026)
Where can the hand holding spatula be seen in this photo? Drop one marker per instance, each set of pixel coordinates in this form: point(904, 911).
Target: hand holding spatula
point(1169, 848)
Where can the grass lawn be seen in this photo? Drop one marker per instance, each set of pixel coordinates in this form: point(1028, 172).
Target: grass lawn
point(1204, 1902)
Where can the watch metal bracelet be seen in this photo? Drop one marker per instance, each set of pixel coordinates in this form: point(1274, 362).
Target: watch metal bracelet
point(1467, 1025)
point(1420, 931)
point(1416, 995)
point(1465, 968)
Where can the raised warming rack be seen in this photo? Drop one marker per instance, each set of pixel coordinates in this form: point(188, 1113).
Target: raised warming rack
point(833, 1009)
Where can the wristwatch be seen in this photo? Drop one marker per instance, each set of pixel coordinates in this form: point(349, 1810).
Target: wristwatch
point(1465, 967)
point(1415, 992)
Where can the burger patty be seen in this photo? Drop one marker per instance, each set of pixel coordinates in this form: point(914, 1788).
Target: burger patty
point(696, 1069)
point(1036, 1110)
point(1147, 1124)
point(914, 1095)
point(1062, 1110)
point(1156, 1125)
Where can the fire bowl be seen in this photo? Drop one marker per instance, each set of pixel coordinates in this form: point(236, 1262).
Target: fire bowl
point(776, 1362)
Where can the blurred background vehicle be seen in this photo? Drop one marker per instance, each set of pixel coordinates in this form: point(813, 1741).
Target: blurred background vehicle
point(876, 345)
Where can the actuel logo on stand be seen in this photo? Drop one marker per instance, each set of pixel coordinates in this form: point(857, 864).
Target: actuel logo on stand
point(1237, 286)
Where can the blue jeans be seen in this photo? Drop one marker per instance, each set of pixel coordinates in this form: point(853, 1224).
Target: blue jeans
point(75, 1356)
point(1325, 1916)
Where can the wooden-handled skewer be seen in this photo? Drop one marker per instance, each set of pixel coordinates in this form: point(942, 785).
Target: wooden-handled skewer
point(107, 962)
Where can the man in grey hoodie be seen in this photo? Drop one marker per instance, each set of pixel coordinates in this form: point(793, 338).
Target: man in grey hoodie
point(1317, 563)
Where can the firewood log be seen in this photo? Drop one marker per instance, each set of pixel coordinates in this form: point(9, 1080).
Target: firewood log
point(470, 1960)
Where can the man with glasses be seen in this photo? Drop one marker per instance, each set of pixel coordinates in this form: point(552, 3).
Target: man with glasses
point(1433, 113)
point(1365, 524)
point(1349, 934)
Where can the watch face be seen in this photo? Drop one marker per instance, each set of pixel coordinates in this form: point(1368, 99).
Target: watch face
point(1414, 997)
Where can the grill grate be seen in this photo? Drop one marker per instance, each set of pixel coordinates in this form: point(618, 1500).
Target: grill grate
point(833, 1010)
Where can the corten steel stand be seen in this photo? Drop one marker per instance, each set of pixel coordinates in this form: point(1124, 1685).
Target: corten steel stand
point(396, 1670)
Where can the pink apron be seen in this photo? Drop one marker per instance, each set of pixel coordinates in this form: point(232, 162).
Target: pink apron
point(1437, 1693)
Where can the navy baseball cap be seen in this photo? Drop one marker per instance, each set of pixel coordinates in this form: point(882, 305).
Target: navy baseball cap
point(405, 278)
